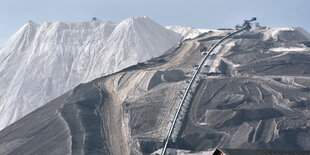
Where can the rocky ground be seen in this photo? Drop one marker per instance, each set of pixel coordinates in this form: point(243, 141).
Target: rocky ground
point(253, 92)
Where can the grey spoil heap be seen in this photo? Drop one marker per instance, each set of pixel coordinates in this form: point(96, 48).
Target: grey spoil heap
point(253, 92)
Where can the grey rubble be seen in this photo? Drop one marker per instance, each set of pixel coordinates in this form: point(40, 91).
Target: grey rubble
point(250, 96)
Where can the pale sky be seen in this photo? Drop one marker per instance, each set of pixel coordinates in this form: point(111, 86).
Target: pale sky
point(194, 13)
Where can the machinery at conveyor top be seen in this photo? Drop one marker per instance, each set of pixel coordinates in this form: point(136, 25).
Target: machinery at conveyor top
point(247, 23)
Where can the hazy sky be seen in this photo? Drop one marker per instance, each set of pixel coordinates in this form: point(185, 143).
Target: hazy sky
point(194, 13)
